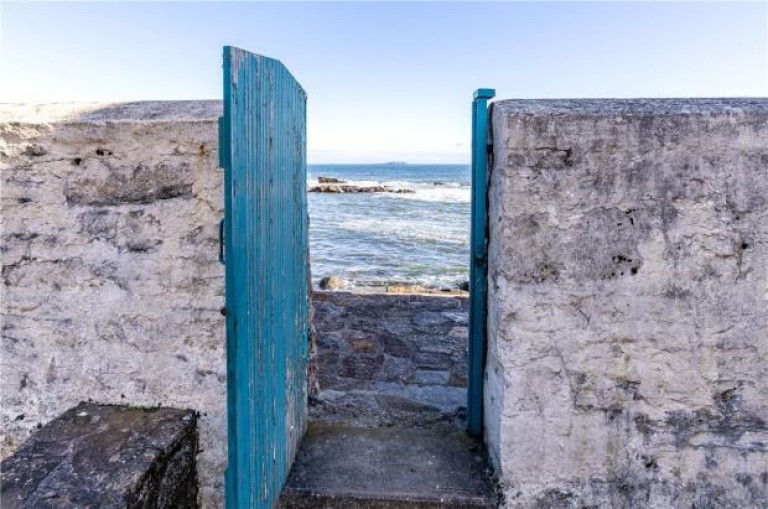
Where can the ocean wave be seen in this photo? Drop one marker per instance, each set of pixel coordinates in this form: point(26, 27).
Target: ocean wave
point(396, 183)
point(406, 229)
point(314, 182)
point(440, 194)
point(445, 192)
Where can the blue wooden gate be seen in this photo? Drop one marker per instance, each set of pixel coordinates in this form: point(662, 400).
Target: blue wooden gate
point(262, 138)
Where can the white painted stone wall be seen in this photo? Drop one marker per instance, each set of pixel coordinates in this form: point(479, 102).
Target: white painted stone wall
point(628, 317)
point(628, 303)
point(112, 290)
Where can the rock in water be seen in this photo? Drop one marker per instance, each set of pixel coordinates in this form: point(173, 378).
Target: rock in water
point(334, 283)
point(352, 188)
point(330, 180)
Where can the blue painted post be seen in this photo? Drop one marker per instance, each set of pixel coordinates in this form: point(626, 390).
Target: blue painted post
point(478, 268)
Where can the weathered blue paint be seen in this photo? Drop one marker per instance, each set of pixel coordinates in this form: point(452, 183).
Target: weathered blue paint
point(221, 238)
point(266, 253)
point(478, 268)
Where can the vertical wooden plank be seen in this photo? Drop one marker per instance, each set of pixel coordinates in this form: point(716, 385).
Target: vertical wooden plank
point(266, 274)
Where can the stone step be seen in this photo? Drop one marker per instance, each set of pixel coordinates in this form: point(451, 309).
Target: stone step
point(106, 456)
point(341, 466)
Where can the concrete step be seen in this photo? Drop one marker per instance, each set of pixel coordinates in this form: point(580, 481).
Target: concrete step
point(341, 466)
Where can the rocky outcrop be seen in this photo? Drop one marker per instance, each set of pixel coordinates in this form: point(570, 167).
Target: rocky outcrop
point(339, 283)
point(330, 180)
point(354, 188)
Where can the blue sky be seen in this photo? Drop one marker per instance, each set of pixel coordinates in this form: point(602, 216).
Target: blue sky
point(389, 80)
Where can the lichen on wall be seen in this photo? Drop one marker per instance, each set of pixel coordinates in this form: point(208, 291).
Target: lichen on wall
point(628, 304)
point(112, 290)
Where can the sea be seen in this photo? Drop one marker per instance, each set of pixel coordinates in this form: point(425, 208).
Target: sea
point(373, 239)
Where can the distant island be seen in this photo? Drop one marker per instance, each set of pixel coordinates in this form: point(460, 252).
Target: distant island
point(395, 163)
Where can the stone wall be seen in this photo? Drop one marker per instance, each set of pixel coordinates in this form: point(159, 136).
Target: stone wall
point(112, 291)
point(111, 286)
point(388, 359)
point(628, 317)
point(628, 333)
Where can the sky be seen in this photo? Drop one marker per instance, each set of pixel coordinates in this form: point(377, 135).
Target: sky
point(386, 80)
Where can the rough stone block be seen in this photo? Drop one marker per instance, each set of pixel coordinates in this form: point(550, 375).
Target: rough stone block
point(428, 377)
point(107, 457)
point(115, 185)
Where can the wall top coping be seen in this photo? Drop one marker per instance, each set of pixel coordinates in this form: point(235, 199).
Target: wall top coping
point(210, 110)
point(102, 113)
point(612, 107)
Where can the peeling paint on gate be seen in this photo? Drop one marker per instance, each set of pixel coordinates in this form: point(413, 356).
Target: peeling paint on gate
point(266, 252)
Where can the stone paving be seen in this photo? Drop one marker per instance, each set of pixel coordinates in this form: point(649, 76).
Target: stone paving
point(384, 358)
point(347, 467)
